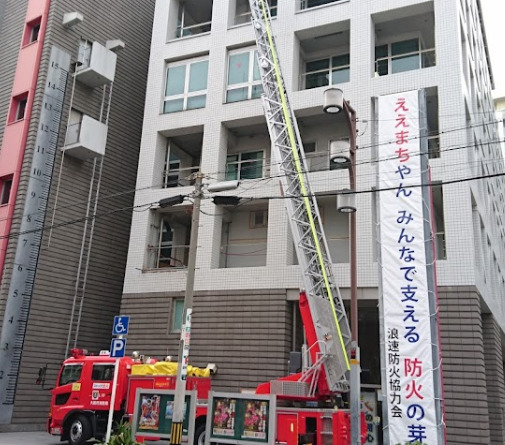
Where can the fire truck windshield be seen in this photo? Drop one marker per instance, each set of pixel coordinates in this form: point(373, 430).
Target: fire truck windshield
point(70, 374)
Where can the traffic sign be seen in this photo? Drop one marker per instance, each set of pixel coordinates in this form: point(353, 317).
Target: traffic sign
point(118, 347)
point(120, 326)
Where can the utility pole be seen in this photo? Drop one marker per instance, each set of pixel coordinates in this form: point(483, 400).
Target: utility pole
point(182, 368)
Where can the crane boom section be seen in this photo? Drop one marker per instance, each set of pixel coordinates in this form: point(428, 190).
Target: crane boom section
point(324, 298)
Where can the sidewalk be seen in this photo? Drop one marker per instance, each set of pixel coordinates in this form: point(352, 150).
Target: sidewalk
point(38, 438)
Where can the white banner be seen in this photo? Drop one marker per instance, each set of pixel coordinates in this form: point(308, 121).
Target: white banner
point(408, 352)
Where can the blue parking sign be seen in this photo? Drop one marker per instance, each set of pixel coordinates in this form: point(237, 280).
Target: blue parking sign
point(118, 347)
point(120, 326)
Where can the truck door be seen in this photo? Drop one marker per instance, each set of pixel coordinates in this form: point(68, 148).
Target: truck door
point(102, 375)
point(68, 386)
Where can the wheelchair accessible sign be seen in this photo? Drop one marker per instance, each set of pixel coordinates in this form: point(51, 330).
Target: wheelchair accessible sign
point(120, 327)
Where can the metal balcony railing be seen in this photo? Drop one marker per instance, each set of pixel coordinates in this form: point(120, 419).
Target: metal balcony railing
point(191, 30)
point(168, 256)
point(179, 177)
point(321, 78)
point(405, 62)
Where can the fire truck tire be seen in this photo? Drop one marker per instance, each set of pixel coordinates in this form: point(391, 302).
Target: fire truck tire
point(79, 431)
point(199, 438)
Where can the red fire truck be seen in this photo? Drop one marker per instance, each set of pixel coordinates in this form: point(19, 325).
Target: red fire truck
point(81, 398)
point(308, 410)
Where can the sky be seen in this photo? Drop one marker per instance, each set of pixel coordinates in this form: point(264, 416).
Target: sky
point(494, 19)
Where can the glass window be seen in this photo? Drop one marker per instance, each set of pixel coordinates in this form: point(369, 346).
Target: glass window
point(102, 372)
point(244, 166)
point(401, 56)
point(381, 60)
point(186, 86)
point(5, 190)
point(244, 79)
point(177, 314)
point(70, 374)
point(317, 72)
point(408, 62)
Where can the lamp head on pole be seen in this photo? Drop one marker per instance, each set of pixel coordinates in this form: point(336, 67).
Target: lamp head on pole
point(346, 201)
point(333, 100)
point(340, 156)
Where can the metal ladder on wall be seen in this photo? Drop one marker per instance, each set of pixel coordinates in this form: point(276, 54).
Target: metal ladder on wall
point(325, 301)
point(89, 225)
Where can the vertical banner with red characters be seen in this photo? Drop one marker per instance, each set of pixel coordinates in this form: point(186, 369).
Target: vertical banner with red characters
point(408, 353)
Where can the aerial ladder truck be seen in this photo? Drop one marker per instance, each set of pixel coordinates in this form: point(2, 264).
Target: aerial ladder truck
point(323, 313)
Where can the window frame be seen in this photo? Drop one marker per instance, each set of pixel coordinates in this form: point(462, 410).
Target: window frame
point(174, 323)
point(104, 365)
point(329, 71)
point(5, 189)
point(252, 219)
point(388, 59)
point(170, 173)
point(186, 94)
point(251, 82)
point(239, 163)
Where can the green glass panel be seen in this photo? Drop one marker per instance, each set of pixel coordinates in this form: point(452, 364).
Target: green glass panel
point(340, 76)
point(407, 46)
point(175, 80)
point(171, 106)
point(342, 60)
point(198, 76)
point(252, 165)
point(316, 80)
point(238, 69)
point(196, 102)
point(317, 65)
point(381, 51)
point(407, 63)
point(178, 313)
point(236, 95)
point(257, 91)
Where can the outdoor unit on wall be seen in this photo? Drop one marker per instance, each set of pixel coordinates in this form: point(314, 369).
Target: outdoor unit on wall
point(97, 64)
point(86, 137)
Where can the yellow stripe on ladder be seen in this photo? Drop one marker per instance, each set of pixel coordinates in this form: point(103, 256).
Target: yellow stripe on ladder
point(292, 141)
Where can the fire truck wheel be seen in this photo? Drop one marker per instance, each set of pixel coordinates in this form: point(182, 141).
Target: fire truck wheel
point(79, 431)
point(199, 435)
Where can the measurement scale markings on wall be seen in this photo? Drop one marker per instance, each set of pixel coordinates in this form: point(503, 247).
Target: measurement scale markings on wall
point(30, 232)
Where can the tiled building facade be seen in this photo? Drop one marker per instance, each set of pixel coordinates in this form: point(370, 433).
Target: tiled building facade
point(203, 113)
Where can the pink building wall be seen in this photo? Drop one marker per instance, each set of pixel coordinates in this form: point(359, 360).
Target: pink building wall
point(16, 129)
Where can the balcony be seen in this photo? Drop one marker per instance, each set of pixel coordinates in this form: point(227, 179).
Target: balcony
point(404, 39)
point(403, 61)
point(243, 11)
point(194, 17)
point(97, 64)
point(181, 159)
point(325, 56)
point(86, 137)
point(169, 245)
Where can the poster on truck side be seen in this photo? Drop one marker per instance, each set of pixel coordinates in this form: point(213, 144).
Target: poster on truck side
point(242, 419)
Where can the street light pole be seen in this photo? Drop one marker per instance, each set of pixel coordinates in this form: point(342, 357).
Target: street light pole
point(350, 115)
point(180, 384)
point(334, 102)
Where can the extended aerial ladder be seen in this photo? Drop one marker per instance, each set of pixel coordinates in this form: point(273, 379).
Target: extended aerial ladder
point(331, 334)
